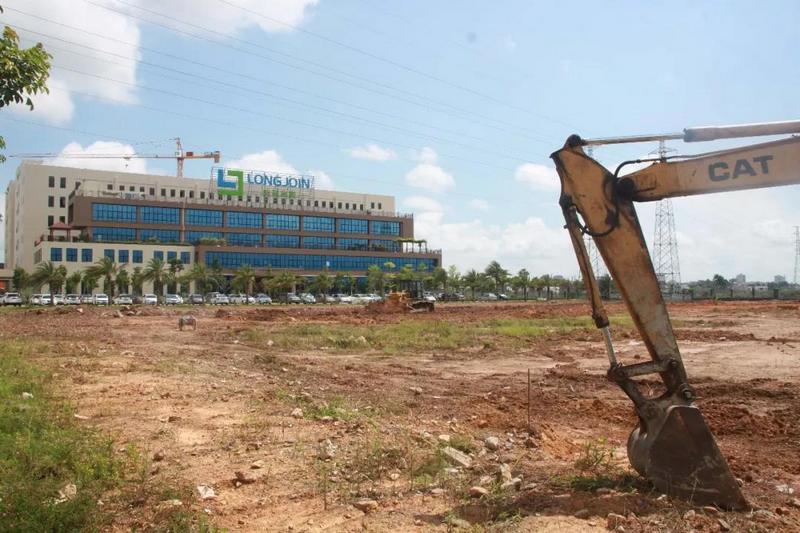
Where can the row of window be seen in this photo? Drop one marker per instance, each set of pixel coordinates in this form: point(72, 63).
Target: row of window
point(244, 239)
point(118, 256)
point(233, 260)
point(181, 193)
point(62, 201)
point(237, 219)
point(51, 182)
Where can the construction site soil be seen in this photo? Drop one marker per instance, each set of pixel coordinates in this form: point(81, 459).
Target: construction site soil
point(342, 418)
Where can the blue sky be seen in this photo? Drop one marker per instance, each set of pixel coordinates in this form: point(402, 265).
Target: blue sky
point(452, 108)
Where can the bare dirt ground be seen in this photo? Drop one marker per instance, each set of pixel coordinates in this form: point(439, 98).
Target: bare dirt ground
point(206, 404)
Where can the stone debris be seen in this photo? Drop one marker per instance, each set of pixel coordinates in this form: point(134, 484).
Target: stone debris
point(492, 443)
point(614, 520)
point(583, 514)
point(326, 450)
point(297, 413)
point(477, 492)
point(206, 492)
point(515, 483)
point(444, 438)
point(27, 396)
point(366, 506)
point(416, 390)
point(795, 502)
point(457, 457)
point(66, 493)
point(245, 478)
point(504, 472)
point(159, 456)
point(255, 465)
point(723, 525)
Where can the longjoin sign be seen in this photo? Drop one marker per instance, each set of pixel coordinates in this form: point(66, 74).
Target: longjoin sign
point(232, 181)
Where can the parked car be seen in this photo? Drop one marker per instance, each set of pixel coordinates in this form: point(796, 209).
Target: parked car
point(428, 297)
point(451, 297)
point(217, 298)
point(150, 299)
point(173, 299)
point(292, 298)
point(72, 299)
point(361, 298)
point(374, 297)
point(263, 299)
point(308, 298)
point(123, 299)
point(58, 299)
point(502, 296)
point(41, 299)
point(86, 298)
point(490, 296)
point(196, 299)
point(100, 299)
point(12, 298)
point(343, 298)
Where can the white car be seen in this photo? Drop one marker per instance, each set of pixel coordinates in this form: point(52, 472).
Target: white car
point(150, 299)
point(86, 298)
point(72, 299)
point(360, 298)
point(374, 297)
point(123, 299)
point(41, 299)
point(343, 298)
point(428, 297)
point(11, 298)
point(308, 298)
point(173, 299)
point(100, 299)
point(58, 299)
point(217, 298)
point(263, 299)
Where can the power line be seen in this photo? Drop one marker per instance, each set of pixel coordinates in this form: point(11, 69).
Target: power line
point(447, 107)
point(346, 116)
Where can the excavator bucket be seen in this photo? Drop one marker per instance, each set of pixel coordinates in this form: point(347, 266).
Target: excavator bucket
point(681, 458)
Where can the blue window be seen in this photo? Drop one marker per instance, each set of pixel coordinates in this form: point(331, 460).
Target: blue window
point(114, 213)
point(194, 237)
point(385, 227)
point(238, 219)
point(109, 253)
point(55, 254)
point(283, 241)
point(160, 215)
point(233, 260)
point(318, 224)
point(72, 255)
point(160, 235)
point(123, 256)
point(351, 244)
point(186, 258)
point(203, 217)
point(243, 239)
point(384, 245)
point(348, 225)
point(158, 254)
point(172, 255)
point(114, 234)
point(290, 222)
point(86, 255)
point(323, 243)
point(138, 256)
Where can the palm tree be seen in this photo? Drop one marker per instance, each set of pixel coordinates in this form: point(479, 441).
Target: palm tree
point(156, 272)
point(471, 280)
point(285, 282)
point(245, 277)
point(21, 279)
point(521, 281)
point(201, 276)
point(137, 279)
point(174, 274)
point(104, 268)
point(347, 281)
point(73, 282)
point(51, 275)
point(88, 284)
point(123, 281)
point(322, 284)
point(498, 274)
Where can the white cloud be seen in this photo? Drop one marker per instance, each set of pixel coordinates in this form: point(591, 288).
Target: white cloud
point(428, 175)
point(422, 204)
point(58, 107)
point(268, 160)
point(372, 152)
point(538, 177)
point(479, 204)
point(97, 148)
point(322, 180)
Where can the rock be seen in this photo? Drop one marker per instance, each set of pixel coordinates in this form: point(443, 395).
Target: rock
point(171, 503)
point(583, 514)
point(416, 390)
point(255, 465)
point(485, 480)
point(297, 413)
point(492, 443)
point(244, 478)
point(366, 506)
point(783, 488)
point(710, 509)
point(688, 515)
point(173, 418)
point(270, 342)
point(159, 456)
point(781, 511)
point(614, 520)
point(27, 396)
point(394, 476)
point(326, 450)
point(515, 483)
point(456, 457)
point(206, 492)
point(602, 491)
point(795, 503)
point(530, 486)
point(504, 472)
point(723, 525)
point(444, 438)
point(79, 310)
point(762, 515)
point(531, 442)
point(66, 493)
point(459, 523)
point(477, 492)
point(482, 423)
point(438, 491)
point(118, 314)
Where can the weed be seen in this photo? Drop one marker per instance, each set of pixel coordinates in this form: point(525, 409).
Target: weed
point(597, 468)
point(465, 443)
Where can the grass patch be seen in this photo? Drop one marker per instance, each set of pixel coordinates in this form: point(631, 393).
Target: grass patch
point(597, 468)
point(415, 335)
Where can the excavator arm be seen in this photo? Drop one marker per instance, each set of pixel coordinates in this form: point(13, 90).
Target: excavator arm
point(672, 445)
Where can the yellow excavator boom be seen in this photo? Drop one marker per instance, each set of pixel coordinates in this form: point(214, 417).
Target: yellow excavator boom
point(672, 445)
